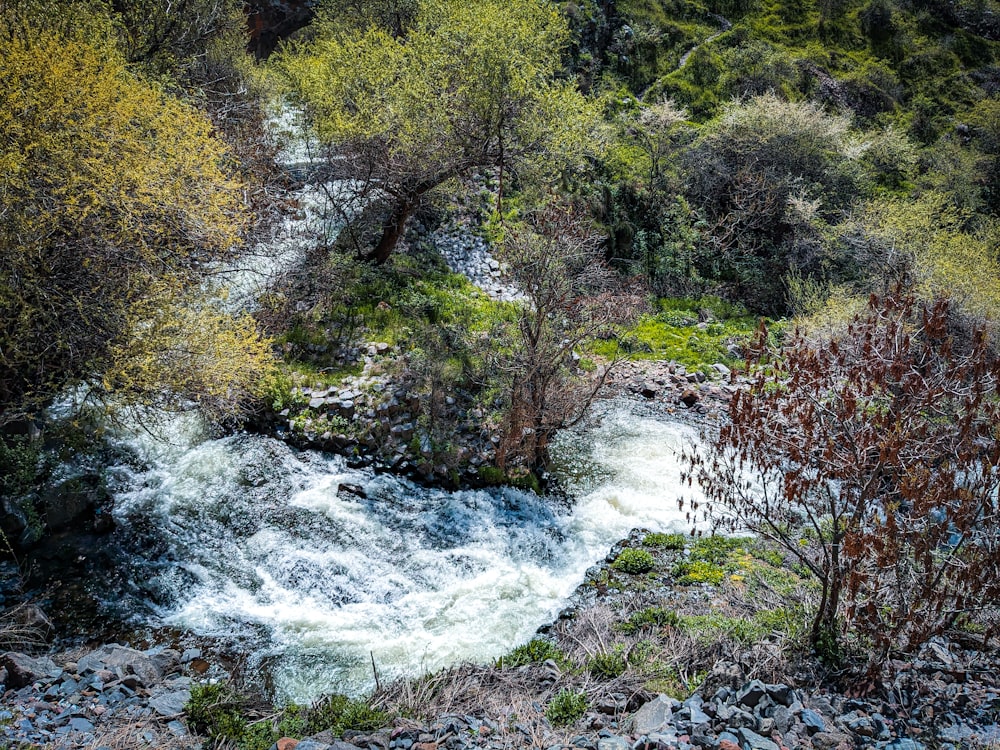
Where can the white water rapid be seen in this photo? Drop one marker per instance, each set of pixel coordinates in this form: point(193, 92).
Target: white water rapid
point(249, 538)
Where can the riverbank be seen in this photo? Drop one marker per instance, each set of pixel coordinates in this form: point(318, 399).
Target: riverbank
point(652, 652)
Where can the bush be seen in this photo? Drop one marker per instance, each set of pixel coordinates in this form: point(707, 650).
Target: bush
point(634, 561)
point(698, 571)
point(665, 541)
point(534, 651)
point(899, 397)
point(651, 617)
point(567, 707)
point(607, 664)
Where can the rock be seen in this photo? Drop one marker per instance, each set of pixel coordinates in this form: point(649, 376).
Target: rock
point(721, 369)
point(170, 704)
point(689, 397)
point(348, 491)
point(750, 740)
point(812, 720)
point(79, 724)
point(23, 670)
point(613, 743)
point(286, 743)
point(831, 741)
point(128, 660)
point(751, 694)
point(780, 694)
point(653, 715)
point(649, 390)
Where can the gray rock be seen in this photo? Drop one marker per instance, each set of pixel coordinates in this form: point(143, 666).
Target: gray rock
point(170, 704)
point(613, 743)
point(721, 369)
point(904, 744)
point(80, 725)
point(23, 670)
point(780, 694)
point(128, 660)
point(750, 740)
point(653, 715)
point(812, 720)
point(751, 694)
point(830, 740)
point(698, 717)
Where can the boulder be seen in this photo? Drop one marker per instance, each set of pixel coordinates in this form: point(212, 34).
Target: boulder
point(653, 715)
point(23, 670)
point(123, 660)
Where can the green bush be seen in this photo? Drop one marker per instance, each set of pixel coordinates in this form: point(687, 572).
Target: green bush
point(607, 664)
point(534, 651)
point(698, 571)
point(634, 561)
point(665, 541)
point(651, 617)
point(338, 714)
point(567, 707)
point(214, 710)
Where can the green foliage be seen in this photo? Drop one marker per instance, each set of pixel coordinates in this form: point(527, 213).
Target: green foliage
point(117, 197)
point(214, 710)
point(634, 561)
point(566, 708)
point(665, 541)
point(698, 571)
point(534, 651)
point(606, 665)
point(649, 618)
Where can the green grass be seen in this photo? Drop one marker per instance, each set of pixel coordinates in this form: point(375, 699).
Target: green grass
point(534, 651)
point(665, 541)
point(650, 618)
point(567, 707)
point(673, 333)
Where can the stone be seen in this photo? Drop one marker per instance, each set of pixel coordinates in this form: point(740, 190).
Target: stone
point(750, 740)
point(286, 743)
point(80, 725)
point(649, 390)
point(170, 704)
point(831, 740)
point(721, 369)
point(613, 743)
point(812, 720)
point(113, 656)
point(689, 397)
point(653, 715)
point(751, 693)
point(23, 670)
point(780, 694)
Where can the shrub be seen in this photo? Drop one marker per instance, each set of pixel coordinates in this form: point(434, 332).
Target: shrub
point(607, 664)
point(897, 398)
point(535, 650)
point(651, 617)
point(567, 707)
point(634, 561)
point(698, 571)
point(666, 541)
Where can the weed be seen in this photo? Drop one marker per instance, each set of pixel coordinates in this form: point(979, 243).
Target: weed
point(665, 541)
point(607, 665)
point(634, 561)
point(567, 707)
point(534, 651)
point(649, 618)
point(698, 571)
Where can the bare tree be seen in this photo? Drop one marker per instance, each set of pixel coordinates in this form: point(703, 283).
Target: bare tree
point(571, 295)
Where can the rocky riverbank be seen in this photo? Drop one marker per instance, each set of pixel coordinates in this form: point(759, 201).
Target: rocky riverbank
point(947, 696)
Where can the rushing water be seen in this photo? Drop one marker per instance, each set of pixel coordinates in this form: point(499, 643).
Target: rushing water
point(249, 538)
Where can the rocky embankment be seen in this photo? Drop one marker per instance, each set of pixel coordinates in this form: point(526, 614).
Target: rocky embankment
point(116, 696)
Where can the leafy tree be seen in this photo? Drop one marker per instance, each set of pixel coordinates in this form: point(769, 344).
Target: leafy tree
point(571, 296)
point(467, 86)
point(112, 193)
point(766, 177)
point(874, 460)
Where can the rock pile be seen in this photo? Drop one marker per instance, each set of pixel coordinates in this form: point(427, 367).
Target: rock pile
point(68, 706)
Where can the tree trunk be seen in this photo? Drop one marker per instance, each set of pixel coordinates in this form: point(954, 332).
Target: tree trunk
point(392, 230)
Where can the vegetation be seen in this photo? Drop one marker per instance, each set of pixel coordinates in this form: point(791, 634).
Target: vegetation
point(875, 464)
point(634, 561)
point(566, 707)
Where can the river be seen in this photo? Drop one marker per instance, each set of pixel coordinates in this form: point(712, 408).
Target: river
point(246, 538)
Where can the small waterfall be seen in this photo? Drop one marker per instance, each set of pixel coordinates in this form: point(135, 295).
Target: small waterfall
point(248, 538)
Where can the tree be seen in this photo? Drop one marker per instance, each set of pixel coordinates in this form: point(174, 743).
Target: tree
point(873, 459)
point(112, 194)
point(466, 86)
point(571, 296)
point(750, 174)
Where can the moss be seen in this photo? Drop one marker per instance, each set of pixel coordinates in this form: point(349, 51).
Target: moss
point(567, 707)
point(634, 561)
